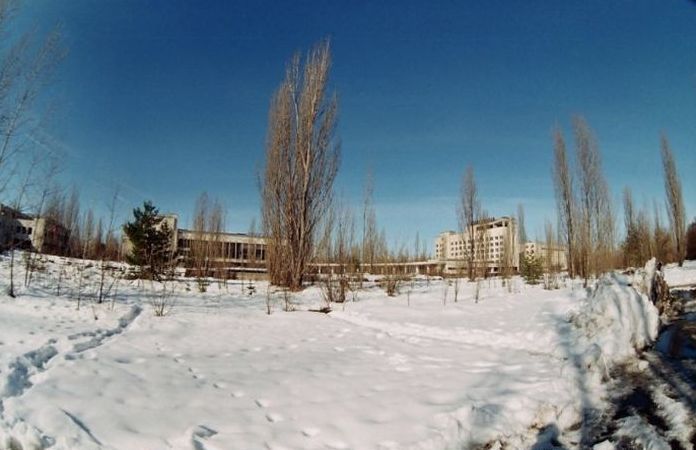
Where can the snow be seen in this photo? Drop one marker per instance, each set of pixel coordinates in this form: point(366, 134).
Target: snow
point(617, 320)
point(415, 371)
point(680, 276)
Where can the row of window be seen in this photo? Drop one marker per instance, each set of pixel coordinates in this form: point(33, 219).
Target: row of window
point(227, 250)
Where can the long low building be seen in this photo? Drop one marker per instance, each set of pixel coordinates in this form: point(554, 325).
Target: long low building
point(218, 254)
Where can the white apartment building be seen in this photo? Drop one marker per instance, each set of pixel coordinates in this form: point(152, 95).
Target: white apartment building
point(495, 247)
point(555, 254)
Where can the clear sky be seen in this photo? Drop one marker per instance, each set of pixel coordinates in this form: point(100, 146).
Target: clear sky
point(170, 98)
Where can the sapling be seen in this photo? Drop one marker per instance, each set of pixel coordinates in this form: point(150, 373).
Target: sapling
point(269, 299)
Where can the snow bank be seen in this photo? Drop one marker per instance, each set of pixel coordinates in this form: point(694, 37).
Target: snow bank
point(617, 320)
point(680, 276)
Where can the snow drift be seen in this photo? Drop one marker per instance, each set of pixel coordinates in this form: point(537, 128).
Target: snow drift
point(617, 319)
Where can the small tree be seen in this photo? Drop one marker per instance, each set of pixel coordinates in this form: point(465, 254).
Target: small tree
point(149, 236)
point(468, 213)
point(531, 269)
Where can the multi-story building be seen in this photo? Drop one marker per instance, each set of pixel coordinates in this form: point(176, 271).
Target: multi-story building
point(23, 231)
point(553, 256)
point(493, 246)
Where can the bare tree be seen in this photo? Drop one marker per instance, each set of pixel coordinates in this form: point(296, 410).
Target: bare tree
point(46, 185)
point(507, 256)
point(104, 267)
point(468, 213)
point(565, 200)
point(162, 300)
point(551, 260)
point(595, 210)
point(20, 197)
point(87, 235)
point(482, 252)
point(24, 72)
point(335, 250)
point(369, 226)
point(638, 245)
point(71, 221)
point(345, 238)
point(302, 159)
point(631, 245)
point(675, 202)
point(216, 228)
point(521, 229)
point(662, 239)
point(200, 246)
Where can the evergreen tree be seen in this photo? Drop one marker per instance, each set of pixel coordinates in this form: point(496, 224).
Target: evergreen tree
point(531, 268)
point(149, 236)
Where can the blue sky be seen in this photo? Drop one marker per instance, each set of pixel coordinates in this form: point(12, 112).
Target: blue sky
point(170, 98)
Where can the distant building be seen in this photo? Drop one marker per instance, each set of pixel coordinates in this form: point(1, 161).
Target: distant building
point(495, 247)
point(23, 231)
point(227, 254)
point(452, 249)
point(552, 256)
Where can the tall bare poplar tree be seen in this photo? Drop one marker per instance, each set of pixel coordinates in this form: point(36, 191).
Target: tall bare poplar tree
point(302, 159)
point(521, 229)
point(596, 228)
point(468, 213)
point(200, 244)
point(565, 201)
point(675, 203)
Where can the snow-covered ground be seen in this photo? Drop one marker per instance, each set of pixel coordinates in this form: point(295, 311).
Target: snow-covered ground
point(417, 371)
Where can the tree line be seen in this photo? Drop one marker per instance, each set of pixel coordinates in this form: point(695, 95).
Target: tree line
point(301, 219)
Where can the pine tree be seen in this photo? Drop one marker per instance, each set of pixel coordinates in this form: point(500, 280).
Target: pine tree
point(149, 236)
point(531, 268)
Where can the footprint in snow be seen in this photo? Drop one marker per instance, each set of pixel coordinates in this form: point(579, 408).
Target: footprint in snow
point(274, 417)
point(219, 385)
point(195, 374)
point(311, 432)
point(238, 394)
point(262, 403)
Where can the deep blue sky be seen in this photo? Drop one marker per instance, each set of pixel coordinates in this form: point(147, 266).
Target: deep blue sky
point(170, 98)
